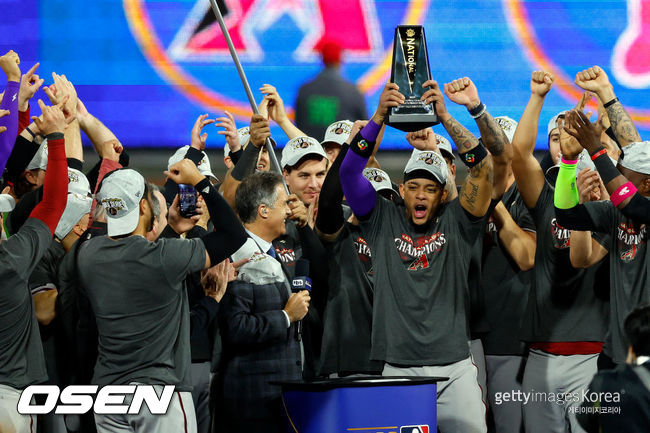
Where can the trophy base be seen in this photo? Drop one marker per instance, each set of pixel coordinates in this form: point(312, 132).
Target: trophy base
point(412, 121)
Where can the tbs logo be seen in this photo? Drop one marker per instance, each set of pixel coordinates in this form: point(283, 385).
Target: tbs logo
point(414, 429)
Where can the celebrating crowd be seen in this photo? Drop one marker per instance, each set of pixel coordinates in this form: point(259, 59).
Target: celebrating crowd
point(529, 278)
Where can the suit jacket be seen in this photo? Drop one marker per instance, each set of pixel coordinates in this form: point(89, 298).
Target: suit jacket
point(257, 348)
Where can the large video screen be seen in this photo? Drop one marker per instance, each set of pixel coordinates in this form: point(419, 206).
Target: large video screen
point(147, 68)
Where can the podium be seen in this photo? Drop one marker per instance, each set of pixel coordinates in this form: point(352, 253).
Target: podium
point(370, 404)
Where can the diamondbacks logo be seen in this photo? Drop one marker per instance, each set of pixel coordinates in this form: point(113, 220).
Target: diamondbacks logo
point(114, 206)
point(630, 239)
point(422, 249)
point(561, 236)
point(178, 41)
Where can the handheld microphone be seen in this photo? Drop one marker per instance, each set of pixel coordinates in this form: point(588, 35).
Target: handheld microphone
point(299, 283)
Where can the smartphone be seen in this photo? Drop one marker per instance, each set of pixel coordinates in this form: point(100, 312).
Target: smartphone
point(187, 200)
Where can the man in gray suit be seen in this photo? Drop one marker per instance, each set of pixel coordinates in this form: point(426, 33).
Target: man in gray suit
point(259, 315)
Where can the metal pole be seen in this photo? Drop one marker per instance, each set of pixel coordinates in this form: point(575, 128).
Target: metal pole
point(269, 147)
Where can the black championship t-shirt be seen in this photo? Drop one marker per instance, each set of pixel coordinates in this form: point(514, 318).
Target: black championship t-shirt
point(55, 347)
point(562, 305)
point(421, 291)
point(21, 354)
point(506, 287)
point(288, 248)
point(348, 315)
point(628, 264)
point(136, 290)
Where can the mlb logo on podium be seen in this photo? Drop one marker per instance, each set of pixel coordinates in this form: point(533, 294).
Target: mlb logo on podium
point(414, 429)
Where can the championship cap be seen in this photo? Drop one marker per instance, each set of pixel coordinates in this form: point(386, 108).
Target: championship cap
point(427, 164)
point(203, 166)
point(379, 179)
point(120, 194)
point(552, 124)
point(77, 206)
point(636, 157)
point(243, 134)
point(508, 125)
point(338, 132)
point(7, 203)
point(444, 146)
point(298, 148)
point(40, 158)
point(77, 182)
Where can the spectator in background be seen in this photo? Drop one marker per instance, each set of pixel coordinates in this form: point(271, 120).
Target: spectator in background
point(328, 97)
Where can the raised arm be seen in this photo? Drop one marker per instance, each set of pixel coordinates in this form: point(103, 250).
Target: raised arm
point(360, 194)
point(9, 64)
point(528, 173)
point(260, 130)
point(519, 243)
point(476, 192)
point(30, 82)
point(595, 80)
point(277, 112)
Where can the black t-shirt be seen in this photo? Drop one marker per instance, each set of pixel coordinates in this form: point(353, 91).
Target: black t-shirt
point(45, 277)
point(347, 321)
point(288, 248)
point(21, 354)
point(628, 266)
point(421, 290)
point(506, 287)
point(562, 305)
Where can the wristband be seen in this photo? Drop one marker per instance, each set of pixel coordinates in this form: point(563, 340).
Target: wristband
point(474, 156)
point(568, 161)
point(622, 192)
point(597, 154)
point(477, 111)
point(361, 146)
point(606, 168)
point(610, 103)
point(30, 132)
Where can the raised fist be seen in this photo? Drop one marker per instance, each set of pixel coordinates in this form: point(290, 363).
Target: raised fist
point(541, 83)
point(463, 92)
point(593, 79)
point(424, 139)
point(9, 64)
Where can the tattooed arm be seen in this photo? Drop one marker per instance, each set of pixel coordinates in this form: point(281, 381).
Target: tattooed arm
point(595, 80)
point(501, 150)
point(476, 192)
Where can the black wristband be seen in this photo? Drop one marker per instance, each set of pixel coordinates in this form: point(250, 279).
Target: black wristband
point(29, 131)
point(54, 136)
point(361, 146)
point(610, 103)
point(474, 155)
point(606, 168)
point(195, 155)
point(476, 111)
point(204, 183)
point(246, 164)
point(235, 156)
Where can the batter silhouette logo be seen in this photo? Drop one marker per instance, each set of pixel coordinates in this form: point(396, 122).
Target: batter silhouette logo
point(414, 429)
point(182, 46)
point(621, 47)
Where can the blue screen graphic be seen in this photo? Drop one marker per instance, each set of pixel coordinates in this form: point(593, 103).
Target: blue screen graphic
point(148, 68)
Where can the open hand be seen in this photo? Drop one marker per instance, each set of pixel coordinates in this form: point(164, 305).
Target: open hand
point(198, 139)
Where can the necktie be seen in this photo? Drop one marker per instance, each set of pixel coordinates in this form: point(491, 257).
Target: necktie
point(271, 252)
